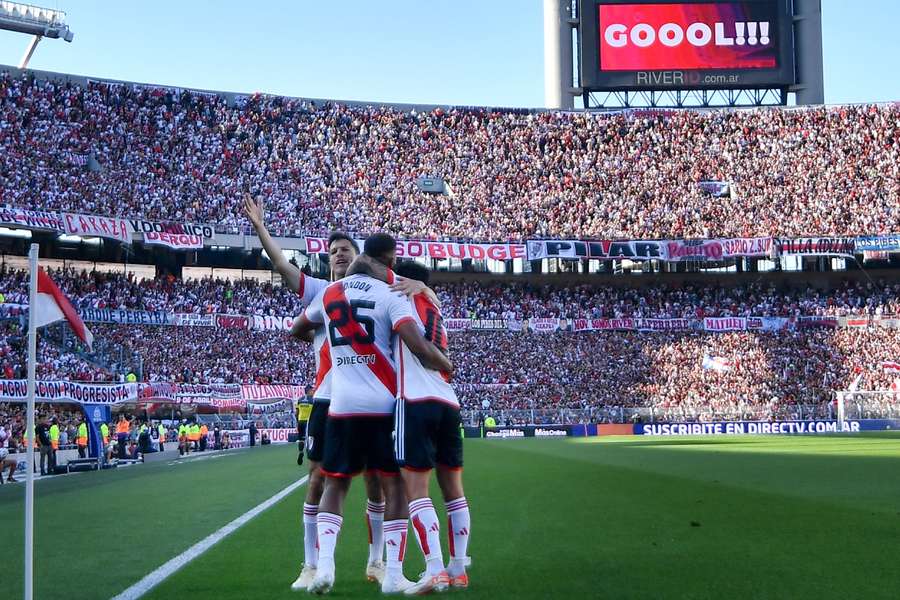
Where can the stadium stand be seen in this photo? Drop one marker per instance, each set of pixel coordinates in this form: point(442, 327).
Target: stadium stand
point(584, 376)
point(163, 153)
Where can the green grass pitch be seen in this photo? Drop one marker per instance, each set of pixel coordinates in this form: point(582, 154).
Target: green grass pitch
point(681, 518)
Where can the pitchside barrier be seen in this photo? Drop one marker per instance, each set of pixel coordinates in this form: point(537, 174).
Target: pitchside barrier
point(695, 428)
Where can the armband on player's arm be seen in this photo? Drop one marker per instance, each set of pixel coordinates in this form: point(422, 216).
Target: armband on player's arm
point(424, 350)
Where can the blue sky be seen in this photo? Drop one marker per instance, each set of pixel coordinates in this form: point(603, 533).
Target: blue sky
point(479, 52)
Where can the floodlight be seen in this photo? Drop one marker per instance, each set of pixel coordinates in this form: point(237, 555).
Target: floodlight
point(35, 21)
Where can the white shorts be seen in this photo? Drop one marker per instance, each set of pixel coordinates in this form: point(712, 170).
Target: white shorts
point(3, 454)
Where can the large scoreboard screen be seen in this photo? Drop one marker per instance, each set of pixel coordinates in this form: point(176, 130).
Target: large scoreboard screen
point(628, 45)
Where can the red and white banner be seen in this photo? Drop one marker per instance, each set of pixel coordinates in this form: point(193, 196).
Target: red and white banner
point(724, 324)
point(817, 246)
point(269, 393)
point(93, 225)
point(717, 249)
point(436, 250)
point(175, 241)
point(632, 324)
point(890, 366)
point(233, 321)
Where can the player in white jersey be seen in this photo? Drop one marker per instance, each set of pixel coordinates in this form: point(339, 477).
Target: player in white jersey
point(428, 434)
point(362, 316)
point(342, 251)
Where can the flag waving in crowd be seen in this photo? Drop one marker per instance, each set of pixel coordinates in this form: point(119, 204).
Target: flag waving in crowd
point(51, 305)
point(891, 366)
point(719, 363)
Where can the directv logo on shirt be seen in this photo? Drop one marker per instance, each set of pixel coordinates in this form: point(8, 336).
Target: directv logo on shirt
point(364, 359)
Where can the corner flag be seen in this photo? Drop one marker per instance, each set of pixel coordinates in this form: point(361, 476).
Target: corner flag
point(51, 305)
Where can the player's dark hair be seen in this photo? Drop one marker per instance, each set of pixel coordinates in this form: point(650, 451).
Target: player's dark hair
point(379, 246)
point(413, 270)
point(340, 235)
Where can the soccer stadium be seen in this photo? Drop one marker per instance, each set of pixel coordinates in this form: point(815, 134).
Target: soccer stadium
point(642, 341)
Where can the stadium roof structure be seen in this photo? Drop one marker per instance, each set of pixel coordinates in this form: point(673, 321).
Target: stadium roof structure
point(34, 21)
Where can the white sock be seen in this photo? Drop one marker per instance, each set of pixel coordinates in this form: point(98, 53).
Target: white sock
point(310, 535)
point(329, 527)
point(459, 525)
point(428, 533)
point(375, 523)
point(395, 543)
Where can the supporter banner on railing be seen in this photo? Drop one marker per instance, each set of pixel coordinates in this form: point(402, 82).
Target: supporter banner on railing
point(69, 391)
point(720, 324)
point(480, 324)
point(277, 436)
point(128, 317)
point(269, 323)
point(604, 249)
point(815, 321)
point(178, 236)
point(233, 321)
point(32, 219)
point(436, 249)
point(718, 249)
point(544, 325)
point(632, 324)
point(816, 246)
point(92, 225)
point(879, 243)
point(270, 393)
point(194, 320)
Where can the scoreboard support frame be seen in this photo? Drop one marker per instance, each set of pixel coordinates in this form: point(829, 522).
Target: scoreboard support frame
point(563, 64)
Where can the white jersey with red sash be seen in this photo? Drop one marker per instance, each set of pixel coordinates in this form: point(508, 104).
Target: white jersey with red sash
point(360, 315)
point(415, 381)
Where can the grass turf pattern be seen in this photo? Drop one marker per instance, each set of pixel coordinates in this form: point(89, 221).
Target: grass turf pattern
point(686, 518)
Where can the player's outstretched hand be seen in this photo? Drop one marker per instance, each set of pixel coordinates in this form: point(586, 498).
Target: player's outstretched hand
point(255, 211)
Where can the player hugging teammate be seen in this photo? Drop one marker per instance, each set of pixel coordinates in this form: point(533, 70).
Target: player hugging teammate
point(427, 441)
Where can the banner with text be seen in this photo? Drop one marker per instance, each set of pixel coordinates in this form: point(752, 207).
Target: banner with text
point(816, 246)
point(127, 317)
point(718, 249)
point(95, 226)
point(178, 236)
point(878, 243)
point(604, 249)
point(32, 219)
point(69, 391)
point(436, 249)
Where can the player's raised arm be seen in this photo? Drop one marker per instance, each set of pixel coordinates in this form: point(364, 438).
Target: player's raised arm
point(256, 213)
point(424, 350)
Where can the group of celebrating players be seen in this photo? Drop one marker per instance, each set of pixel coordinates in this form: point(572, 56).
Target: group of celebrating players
point(383, 407)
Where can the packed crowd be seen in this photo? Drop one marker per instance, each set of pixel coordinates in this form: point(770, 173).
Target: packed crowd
point(13, 417)
point(587, 373)
point(172, 155)
point(477, 300)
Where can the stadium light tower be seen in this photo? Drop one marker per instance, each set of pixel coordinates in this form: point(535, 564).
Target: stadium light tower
point(35, 21)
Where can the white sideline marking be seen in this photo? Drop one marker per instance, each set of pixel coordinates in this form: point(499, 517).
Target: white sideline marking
point(169, 568)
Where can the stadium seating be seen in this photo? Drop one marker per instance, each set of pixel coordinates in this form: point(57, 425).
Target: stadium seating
point(595, 376)
point(172, 155)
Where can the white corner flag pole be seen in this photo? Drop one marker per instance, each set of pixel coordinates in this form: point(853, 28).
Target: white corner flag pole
point(29, 452)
